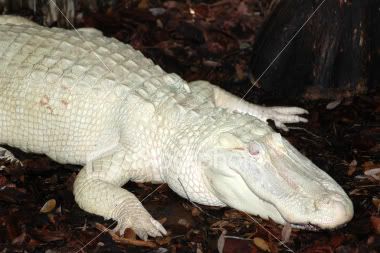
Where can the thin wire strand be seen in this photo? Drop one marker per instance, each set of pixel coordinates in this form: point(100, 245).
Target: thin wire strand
point(282, 50)
point(91, 49)
point(80, 35)
point(270, 233)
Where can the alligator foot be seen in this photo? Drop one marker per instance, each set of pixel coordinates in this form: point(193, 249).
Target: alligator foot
point(142, 223)
point(279, 114)
point(282, 115)
point(110, 200)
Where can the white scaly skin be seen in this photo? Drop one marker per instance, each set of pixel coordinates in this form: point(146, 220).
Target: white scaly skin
point(91, 100)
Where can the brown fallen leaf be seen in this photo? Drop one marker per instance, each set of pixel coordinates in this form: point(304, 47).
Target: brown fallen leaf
point(144, 4)
point(51, 218)
point(129, 234)
point(184, 222)
point(46, 235)
point(369, 165)
point(337, 240)
point(375, 221)
point(163, 240)
point(219, 224)
point(352, 167)
point(48, 206)
point(121, 240)
point(376, 202)
point(261, 243)
point(240, 70)
point(375, 173)
point(195, 212)
point(234, 244)
point(332, 105)
point(3, 180)
point(19, 240)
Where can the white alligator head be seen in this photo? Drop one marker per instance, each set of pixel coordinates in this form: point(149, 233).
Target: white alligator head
point(267, 176)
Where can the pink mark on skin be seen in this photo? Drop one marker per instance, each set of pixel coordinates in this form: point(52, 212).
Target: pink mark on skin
point(44, 100)
point(253, 150)
point(65, 103)
point(50, 109)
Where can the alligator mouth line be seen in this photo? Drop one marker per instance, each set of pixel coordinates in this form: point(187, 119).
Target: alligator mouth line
point(311, 227)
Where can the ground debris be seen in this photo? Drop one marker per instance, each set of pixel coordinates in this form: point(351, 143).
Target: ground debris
point(199, 40)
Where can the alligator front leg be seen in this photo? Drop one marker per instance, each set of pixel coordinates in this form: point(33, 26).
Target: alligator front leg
point(279, 114)
point(98, 190)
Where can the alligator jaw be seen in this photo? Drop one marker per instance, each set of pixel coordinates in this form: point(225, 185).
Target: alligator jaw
point(270, 178)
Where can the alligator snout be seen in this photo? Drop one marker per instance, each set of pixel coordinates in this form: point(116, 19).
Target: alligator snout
point(334, 210)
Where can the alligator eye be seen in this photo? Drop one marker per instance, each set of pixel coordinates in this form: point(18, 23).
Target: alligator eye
point(253, 149)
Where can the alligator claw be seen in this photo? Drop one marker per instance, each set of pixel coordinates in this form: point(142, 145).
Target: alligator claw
point(282, 115)
point(142, 224)
point(9, 157)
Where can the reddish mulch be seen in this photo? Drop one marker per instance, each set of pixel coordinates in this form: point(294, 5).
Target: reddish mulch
point(199, 41)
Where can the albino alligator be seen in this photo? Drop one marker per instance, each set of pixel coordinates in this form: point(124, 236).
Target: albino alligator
point(82, 98)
